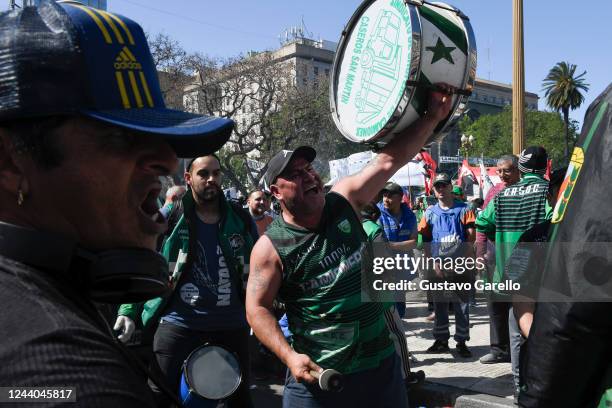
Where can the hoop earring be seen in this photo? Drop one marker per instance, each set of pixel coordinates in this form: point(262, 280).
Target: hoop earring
point(20, 198)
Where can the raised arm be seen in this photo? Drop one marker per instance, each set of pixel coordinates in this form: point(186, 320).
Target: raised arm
point(360, 188)
point(264, 283)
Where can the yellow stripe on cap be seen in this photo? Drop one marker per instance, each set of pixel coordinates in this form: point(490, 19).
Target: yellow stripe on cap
point(95, 18)
point(124, 26)
point(143, 81)
point(122, 91)
point(129, 53)
point(124, 56)
point(135, 89)
point(111, 24)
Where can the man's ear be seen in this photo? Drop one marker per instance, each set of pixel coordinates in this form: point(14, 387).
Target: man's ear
point(275, 192)
point(12, 177)
point(187, 177)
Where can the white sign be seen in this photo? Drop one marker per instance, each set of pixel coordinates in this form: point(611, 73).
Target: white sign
point(411, 174)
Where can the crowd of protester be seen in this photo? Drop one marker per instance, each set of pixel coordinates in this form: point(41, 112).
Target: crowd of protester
point(85, 223)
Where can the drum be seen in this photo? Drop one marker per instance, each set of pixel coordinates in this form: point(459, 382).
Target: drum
point(210, 374)
point(390, 53)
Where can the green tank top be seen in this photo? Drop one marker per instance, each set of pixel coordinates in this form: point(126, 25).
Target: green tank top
point(321, 290)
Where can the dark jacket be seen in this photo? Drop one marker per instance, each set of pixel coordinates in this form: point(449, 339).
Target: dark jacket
point(237, 235)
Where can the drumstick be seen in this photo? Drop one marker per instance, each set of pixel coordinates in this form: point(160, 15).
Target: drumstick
point(465, 92)
point(329, 380)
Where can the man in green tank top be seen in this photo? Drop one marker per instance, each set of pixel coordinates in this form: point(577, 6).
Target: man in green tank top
point(311, 259)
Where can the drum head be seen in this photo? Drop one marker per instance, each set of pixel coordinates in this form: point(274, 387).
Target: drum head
point(213, 372)
point(375, 59)
point(389, 55)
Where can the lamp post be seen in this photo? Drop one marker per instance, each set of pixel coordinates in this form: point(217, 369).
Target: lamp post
point(518, 76)
point(467, 142)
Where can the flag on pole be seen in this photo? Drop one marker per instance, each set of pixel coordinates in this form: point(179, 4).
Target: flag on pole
point(430, 166)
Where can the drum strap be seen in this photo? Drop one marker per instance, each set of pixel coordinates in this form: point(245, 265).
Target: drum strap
point(465, 92)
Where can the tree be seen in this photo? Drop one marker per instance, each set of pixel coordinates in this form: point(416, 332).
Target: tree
point(272, 111)
point(493, 133)
point(562, 90)
point(174, 68)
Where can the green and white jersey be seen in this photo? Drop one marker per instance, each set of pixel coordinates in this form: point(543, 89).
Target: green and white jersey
point(322, 290)
point(513, 211)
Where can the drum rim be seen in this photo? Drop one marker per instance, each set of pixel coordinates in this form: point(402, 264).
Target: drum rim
point(188, 378)
point(468, 81)
point(413, 73)
point(469, 78)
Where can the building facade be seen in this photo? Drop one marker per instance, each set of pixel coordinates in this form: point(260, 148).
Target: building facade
point(99, 4)
point(307, 60)
point(488, 98)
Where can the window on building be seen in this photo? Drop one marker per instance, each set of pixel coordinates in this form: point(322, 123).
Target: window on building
point(316, 71)
point(327, 73)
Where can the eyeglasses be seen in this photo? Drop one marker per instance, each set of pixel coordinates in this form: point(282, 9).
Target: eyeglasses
point(504, 171)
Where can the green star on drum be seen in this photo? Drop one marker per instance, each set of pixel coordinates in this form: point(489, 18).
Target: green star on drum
point(441, 51)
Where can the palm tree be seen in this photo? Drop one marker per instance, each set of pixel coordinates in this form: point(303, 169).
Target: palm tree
point(563, 92)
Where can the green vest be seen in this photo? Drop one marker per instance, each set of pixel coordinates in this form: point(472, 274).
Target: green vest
point(321, 290)
point(235, 241)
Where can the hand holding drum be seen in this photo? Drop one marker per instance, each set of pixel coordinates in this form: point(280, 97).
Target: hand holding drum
point(329, 380)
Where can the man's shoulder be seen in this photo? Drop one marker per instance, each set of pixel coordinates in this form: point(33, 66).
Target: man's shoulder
point(48, 339)
point(429, 211)
point(407, 212)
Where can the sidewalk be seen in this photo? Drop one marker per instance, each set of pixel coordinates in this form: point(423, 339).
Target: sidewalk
point(467, 375)
point(446, 375)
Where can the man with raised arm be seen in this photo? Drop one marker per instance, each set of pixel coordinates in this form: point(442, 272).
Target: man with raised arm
point(310, 257)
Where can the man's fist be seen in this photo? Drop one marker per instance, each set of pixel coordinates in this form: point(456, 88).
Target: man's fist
point(300, 366)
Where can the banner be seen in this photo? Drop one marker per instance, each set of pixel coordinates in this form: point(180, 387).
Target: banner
point(411, 174)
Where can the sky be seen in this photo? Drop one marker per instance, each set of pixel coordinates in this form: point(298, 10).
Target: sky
point(554, 31)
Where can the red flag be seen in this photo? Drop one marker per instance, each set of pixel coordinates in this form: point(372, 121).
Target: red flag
point(466, 170)
point(430, 166)
point(548, 169)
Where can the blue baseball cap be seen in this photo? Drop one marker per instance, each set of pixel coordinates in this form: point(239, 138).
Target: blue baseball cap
point(66, 58)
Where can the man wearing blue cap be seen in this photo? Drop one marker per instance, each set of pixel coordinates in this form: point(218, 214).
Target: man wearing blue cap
point(82, 119)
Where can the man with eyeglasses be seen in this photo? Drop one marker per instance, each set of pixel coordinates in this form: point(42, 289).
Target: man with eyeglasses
point(499, 334)
point(210, 248)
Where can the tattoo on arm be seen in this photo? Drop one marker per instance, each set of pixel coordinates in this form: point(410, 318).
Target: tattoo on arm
point(259, 281)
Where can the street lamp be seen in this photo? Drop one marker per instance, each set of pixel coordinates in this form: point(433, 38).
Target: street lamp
point(467, 142)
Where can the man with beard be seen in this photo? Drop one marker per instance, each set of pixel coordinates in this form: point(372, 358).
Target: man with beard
point(258, 205)
point(209, 247)
point(311, 257)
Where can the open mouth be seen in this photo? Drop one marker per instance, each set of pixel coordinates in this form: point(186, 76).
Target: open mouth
point(150, 207)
